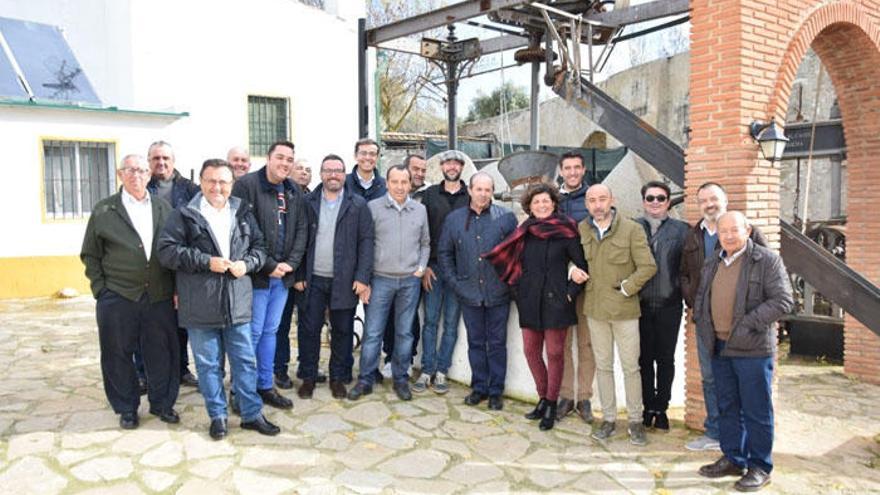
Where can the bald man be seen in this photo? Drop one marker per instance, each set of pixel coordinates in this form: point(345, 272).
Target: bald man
point(240, 160)
point(743, 291)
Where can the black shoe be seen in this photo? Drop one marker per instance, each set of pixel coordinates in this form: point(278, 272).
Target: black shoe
point(337, 389)
point(721, 468)
point(189, 380)
point(585, 410)
point(538, 411)
point(402, 390)
point(218, 429)
point(233, 404)
point(167, 416)
point(261, 425)
point(496, 403)
point(661, 421)
point(565, 407)
point(359, 390)
point(474, 398)
point(321, 378)
point(755, 479)
point(283, 381)
point(648, 418)
point(128, 421)
point(142, 386)
point(549, 417)
point(272, 398)
point(306, 390)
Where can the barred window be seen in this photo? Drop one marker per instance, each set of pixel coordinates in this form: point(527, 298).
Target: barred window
point(267, 122)
point(76, 175)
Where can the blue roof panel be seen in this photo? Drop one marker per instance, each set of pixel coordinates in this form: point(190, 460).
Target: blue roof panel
point(9, 85)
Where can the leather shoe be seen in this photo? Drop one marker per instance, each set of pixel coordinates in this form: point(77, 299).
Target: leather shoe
point(189, 380)
point(496, 403)
point(402, 390)
point(755, 479)
point(661, 421)
point(128, 421)
point(585, 410)
point(720, 468)
point(218, 429)
point(474, 398)
point(283, 381)
point(359, 390)
point(549, 416)
point(306, 389)
point(539, 410)
point(272, 398)
point(337, 389)
point(564, 408)
point(261, 425)
point(648, 418)
point(167, 416)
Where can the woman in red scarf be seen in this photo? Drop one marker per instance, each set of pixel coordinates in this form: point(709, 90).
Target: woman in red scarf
point(534, 260)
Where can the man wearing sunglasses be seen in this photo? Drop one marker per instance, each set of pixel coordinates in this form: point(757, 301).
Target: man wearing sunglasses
point(660, 301)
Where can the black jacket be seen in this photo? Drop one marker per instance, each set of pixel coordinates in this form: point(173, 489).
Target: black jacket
point(260, 195)
point(544, 295)
point(182, 189)
point(664, 288)
point(439, 203)
point(352, 246)
point(376, 190)
point(207, 299)
point(763, 295)
point(573, 205)
point(465, 238)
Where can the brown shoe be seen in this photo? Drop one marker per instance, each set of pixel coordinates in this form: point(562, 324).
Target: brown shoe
point(565, 407)
point(585, 410)
point(755, 479)
point(337, 389)
point(306, 390)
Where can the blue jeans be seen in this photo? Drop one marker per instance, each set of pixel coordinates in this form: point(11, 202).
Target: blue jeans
point(743, 386)
point(207, 345)
point(487, 346)
point(404, 293)
point(268, 304)
point(440, 299)
point(311, 320)
point(709, 397)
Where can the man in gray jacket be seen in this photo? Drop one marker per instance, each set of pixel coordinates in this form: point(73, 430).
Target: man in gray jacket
point(742, 293)
point(402, 245)
point(213, 243)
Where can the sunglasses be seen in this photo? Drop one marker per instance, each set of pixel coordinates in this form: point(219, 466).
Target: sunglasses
point(660, 198)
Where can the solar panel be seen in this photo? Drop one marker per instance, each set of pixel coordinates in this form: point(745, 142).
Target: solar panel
point(9, 85)
point(47, 62)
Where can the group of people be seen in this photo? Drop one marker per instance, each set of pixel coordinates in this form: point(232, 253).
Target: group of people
point(231, 259)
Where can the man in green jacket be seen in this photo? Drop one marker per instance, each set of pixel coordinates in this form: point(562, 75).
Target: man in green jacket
point(620, 263)
point(134, 296)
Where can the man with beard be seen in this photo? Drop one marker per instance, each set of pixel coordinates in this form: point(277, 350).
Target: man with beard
point(439, 201)
point(701, 244)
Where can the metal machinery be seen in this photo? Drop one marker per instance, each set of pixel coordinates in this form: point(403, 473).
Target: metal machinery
point(556, 31)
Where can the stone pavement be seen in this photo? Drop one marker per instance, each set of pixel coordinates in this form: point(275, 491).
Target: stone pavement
point(57, 435)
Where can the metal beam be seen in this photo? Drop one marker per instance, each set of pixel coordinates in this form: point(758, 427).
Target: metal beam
point(502, 43)
point(457, 12)
point(837, 281)
point(641, 13)
point(645, 141)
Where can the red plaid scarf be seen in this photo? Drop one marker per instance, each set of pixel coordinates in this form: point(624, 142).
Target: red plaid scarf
point(507, 256)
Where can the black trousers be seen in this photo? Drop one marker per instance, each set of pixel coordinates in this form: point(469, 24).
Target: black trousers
point(125, 325)
point(658, 335)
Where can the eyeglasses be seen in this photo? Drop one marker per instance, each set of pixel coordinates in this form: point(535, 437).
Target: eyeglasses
point(329, 171)
point(660, 198)
point(140, 172)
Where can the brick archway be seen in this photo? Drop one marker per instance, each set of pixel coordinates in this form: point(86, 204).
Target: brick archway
point(744, 57)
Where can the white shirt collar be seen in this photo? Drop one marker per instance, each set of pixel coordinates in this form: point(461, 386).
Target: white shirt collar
point(131, 200)
point(728, 260)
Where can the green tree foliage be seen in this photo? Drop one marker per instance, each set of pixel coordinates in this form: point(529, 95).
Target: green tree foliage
point(487, 106)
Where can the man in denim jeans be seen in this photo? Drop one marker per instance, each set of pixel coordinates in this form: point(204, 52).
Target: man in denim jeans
point(402, 243)
point(212, 243)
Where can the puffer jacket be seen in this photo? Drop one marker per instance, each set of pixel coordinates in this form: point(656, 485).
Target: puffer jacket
point(664, 288)
point(207, 299)
point(763, 295)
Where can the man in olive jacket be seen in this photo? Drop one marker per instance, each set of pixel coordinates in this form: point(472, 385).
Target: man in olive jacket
point(743, 292)
point(620, 264)
point(133, 293)
point(213, 243)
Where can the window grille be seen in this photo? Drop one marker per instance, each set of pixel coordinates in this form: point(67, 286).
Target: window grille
point(267, 122)
point(76, 175)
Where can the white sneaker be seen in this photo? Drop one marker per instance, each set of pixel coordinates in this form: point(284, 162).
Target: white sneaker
point(386, 370)
point(440, 386)
point(421, 383)
point(703, 443)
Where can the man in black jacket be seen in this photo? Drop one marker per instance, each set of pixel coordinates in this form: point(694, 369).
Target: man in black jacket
point(335, 276)
point(660, 301)
point(278, 207)
point(212, 244)
point(365, 180)
point(743, 292)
